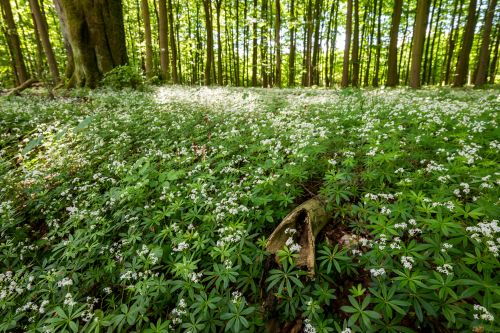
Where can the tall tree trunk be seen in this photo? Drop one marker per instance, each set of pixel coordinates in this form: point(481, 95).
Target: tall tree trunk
point(392, 61)
point(370, 46)
point(218, 4)
point(379, 44)
point(254, 45)
point(494, 61)
point(403, 45)
point(277, 26)
point(207, 5)
point(291, 58)
point(327, 52)
point(484, 53)
point(428, 43)
point(237, 44)
point(97, 37)
point(13, 42)
point(63, 23)
point(451, 41)
point(432, 55)
point(245, 44)
point(147, 34)
point(467, 40)
point(334, 41)
point(263, 45)
point(347, 45)
point(42, 28)
point(317, 42)
point(418, 42)
point(164, 48)
point(173, 48)
point(355, 46)
point(308, 51)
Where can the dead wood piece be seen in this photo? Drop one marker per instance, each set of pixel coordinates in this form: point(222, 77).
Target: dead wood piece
point(308, 219)
point(25, 85)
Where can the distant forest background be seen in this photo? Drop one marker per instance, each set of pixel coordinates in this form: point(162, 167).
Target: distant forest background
point(261, 43)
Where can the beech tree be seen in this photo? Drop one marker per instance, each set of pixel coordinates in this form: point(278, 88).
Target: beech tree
point(418, 42)
point(467, 40)
point(10, 31)
point(97, 37)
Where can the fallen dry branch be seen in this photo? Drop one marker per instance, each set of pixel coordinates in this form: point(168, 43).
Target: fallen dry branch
point(25, 85)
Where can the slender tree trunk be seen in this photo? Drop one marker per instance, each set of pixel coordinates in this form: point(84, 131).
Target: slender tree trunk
point(254, 45)
point(263, 45)
point(317, 41)
point(245, 45)
point(327, 52)
point(291, 59)
point(173, 48)
point(403, 45)
point(467, 40)
point(237, 44)
point(392, 62)
point(210, 41)
point(484, 54)
point(362, 45)
point(164, 48)
point(334, 41)
point(42, 28)
point(428, 43)
point(277, 26)
point(218, 4)
point(418, 42)
point(379, 44)
point(370, 46)
point(308, 54)
point(13, 42)
point(355, 46)
point(347, 46)
point(147, 34)
point(494, 61)
point(432, 55)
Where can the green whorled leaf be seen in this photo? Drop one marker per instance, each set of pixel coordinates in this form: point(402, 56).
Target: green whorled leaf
point(33, 144)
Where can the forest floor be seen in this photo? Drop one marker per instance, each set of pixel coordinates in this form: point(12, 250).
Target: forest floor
point(150, 211)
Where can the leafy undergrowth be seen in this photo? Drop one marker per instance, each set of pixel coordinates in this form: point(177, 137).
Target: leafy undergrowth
point(149, 211)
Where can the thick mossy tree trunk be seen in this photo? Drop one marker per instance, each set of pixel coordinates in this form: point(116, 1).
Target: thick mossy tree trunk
point(97, 38)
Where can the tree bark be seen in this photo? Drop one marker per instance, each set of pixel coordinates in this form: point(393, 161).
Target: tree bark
point(347, 45)
point(63, 23)
point(163, 32)
point(147, 35)
point(355, 46)
point(14, 44)
point(484, 53)
point(97, 37)
point(173, 47)
point(379, 44)
point(317, 41)
point(41, 25)
point(392, 61)
point(291, 59)
point(418, 42)
point(494, 61)
point(218, 4)
point(308, 53)
point(263, 45)
point(254, 45)
point(277, 25)
point(210, 41)
point(467, 40)
point(372, 31)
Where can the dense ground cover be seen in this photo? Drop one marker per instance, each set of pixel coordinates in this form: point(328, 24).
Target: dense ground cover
point(131, 211)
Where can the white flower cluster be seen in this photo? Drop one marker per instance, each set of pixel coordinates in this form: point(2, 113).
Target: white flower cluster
point(487, 232)
point(230, 235)
point(407, 262)
point(195, 277)
point(68, 300)
point(65, 282)
point(8, 285)
point(445, 247)
point(347, 330)
point(483, 313)
point(308, 327)
point(377, 272)
point(446, 269)
point(385, 196)
point(181, 247)
point(178, 312)
point(236, 296)
point(290, 242)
